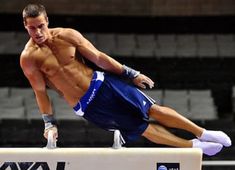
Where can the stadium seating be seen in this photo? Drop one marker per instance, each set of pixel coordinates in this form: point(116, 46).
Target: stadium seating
point(142, 45)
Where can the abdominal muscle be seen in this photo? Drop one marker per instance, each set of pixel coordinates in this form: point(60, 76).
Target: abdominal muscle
point(71, 80)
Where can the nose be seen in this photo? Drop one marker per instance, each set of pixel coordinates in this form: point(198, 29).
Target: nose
point(38, 31)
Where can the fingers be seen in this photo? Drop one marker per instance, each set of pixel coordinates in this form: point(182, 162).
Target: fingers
point(55, 132)
point(51, 139)
point(145, 84)
point(149, 82)
point(146, 81)
point(142, 85)
point(55, 135)
point(143, 81)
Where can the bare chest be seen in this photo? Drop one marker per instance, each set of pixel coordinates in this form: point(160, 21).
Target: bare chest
point(56, 56)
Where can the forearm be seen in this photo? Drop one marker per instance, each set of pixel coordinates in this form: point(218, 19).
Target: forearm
point(109, 64)
point(45, 108)
point(43, 102)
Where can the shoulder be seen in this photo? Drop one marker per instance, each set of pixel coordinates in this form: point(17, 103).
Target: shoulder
point(28, 51)
point(26, 58)
point(64, 31)
point(68, 34)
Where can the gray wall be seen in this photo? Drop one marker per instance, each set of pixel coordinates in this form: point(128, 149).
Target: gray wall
point(127, 7)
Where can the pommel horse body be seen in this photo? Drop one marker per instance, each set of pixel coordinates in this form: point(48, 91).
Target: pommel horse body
point(113, 158)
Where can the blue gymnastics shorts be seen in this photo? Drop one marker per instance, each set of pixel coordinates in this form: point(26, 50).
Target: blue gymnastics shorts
point(111, 103)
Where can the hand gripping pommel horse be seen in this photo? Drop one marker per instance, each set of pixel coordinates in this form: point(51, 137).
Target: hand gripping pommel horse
point(114, 158)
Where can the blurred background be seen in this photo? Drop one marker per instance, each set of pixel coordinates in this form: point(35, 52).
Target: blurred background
point(186, 46)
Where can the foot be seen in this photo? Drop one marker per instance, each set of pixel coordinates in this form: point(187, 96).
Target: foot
point(216, 136)
point(208, 148)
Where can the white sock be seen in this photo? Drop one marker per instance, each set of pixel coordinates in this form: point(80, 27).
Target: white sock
point(208, 148)
point(216, 136)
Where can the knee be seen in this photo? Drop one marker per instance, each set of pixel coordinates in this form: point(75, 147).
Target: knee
point(156, 110)
point(149, 131)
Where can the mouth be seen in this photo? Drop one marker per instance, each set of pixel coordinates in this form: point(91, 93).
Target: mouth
point(39, 39)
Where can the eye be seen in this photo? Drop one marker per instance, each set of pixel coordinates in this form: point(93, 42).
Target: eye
point(41, 26)
point(32, 28)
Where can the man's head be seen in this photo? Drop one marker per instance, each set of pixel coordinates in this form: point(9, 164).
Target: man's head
point(36, 22)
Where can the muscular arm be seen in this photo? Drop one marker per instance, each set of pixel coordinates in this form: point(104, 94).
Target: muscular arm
point(101, 59)
point(37, 82)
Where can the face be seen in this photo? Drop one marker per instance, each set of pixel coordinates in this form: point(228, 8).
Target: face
point(37, 28)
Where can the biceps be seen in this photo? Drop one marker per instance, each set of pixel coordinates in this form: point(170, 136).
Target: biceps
point(89, 51)
point(37, 81)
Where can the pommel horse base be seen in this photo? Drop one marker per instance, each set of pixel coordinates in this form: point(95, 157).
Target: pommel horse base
point(100, 159)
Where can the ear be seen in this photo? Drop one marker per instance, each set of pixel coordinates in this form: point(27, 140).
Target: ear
point(25, 24)
point(47, 19)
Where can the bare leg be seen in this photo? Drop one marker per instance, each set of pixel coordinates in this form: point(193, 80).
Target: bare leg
point(170, 118)
point(160, 135)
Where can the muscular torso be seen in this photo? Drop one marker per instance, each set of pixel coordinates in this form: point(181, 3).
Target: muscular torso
point(62, 69)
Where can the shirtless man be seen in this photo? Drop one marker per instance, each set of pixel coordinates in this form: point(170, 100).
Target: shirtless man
point(49, 58)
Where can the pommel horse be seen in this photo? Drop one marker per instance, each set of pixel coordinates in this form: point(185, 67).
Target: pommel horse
point(113, 158)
